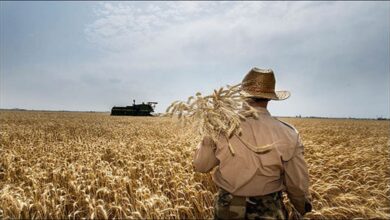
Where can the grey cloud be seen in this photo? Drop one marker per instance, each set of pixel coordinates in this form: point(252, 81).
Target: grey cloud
point(330, 55)
point(317, 49)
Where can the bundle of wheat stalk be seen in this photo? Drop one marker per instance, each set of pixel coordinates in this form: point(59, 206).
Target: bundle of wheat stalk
point(217, 115)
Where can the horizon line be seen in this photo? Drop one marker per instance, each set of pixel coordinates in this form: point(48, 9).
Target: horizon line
point(158, 113)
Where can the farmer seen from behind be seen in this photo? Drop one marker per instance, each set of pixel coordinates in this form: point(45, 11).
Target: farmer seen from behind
point(267, 161)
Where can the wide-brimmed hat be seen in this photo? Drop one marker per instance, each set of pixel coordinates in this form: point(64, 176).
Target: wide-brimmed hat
point(260, 83)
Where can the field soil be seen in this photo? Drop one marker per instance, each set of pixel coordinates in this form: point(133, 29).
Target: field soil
point(92, 165)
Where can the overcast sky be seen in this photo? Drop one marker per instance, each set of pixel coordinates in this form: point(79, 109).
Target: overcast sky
point(332, 56)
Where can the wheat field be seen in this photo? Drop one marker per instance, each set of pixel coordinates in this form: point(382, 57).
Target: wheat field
point(92, 165)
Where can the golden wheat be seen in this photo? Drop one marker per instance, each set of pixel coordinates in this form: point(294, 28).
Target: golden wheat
point(90, 165)
point(217, 115)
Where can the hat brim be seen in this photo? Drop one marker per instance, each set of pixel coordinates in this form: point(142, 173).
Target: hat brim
point(277, 95)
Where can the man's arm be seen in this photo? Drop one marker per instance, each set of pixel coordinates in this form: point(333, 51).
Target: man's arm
point(204, 158)
point(297, 181)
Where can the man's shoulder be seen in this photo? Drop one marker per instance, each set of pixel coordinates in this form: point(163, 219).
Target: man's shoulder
point(292, 133)
point(287, 125)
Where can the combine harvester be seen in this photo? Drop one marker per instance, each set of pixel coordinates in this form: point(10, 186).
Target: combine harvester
point(135, 110)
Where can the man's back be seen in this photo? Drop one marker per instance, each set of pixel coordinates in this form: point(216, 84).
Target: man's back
point(268, 158)
point(257, 166)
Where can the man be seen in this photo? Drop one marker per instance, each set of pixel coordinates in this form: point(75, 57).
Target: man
point(268, 159)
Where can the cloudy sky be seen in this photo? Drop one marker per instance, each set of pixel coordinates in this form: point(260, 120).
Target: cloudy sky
point(332, 56)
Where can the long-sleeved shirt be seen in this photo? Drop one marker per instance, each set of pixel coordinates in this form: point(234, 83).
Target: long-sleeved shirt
point(268, 157)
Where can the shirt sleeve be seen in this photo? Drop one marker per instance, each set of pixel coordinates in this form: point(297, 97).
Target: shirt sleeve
point(204, 158)
point(296, 178)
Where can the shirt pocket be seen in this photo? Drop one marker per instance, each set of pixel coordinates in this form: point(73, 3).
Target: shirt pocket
point(271, 163)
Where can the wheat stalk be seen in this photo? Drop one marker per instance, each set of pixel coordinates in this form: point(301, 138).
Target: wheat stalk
point(217, 115)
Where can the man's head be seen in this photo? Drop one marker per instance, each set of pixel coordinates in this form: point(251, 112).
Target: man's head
point(258, 87)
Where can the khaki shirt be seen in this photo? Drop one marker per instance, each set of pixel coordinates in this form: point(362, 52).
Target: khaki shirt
point(279, 166)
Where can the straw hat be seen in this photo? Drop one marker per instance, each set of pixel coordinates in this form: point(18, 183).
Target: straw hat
point(260, 83)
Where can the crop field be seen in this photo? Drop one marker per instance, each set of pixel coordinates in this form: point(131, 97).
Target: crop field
point(92, 165)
